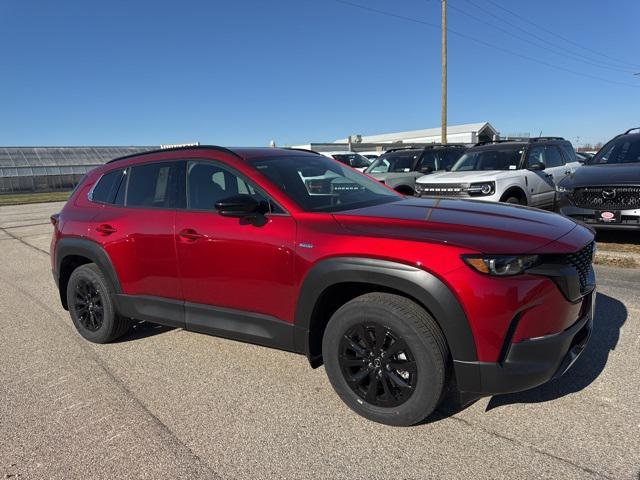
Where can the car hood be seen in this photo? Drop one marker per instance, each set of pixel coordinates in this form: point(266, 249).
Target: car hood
point(480, 226)
point(462, 177)
point(601, 175)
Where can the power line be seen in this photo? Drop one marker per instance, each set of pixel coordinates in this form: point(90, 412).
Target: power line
point(556, 49)
point(584, 58)
point(560, 36)
point(486, 44)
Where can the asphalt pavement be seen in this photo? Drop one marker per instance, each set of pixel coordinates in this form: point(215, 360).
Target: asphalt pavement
point(166, 403)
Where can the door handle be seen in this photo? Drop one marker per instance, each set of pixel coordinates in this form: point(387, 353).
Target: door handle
point(548, 175)
point(105, 229)
point(190, 234)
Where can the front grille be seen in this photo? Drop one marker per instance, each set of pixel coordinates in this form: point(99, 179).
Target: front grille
point(606, 198)
point(442, 189)
point(581, 261)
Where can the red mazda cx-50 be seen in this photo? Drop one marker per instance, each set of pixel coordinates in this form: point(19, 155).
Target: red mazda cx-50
point(400, 298)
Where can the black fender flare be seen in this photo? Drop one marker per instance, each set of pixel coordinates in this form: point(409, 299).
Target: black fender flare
point(423, 286)
point(89, 249)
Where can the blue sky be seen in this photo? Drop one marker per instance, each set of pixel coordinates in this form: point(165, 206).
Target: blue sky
point(244, 72)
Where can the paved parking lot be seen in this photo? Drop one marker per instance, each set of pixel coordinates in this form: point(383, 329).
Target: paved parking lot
point(166, 403)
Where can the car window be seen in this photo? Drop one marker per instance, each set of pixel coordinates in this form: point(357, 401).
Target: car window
point(105, 190)
point(450, 158)
point(621, 150)
point(155, 185)
point(394, 162)
point(319, 184)
point(354, 160)
point(489, 159)
point(536, 155)
point(553, 157)
point(209, 182)
point(569, 152)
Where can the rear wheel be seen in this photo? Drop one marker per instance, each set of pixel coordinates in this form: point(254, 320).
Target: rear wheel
point(90, 300)
point(386, 358)
point(513, 200)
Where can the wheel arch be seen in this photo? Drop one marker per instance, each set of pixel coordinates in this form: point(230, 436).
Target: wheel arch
point(330, 282)
point(517, 191)
point(73, 252)
point(404, 189)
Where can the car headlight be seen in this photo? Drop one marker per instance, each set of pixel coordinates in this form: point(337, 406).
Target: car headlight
point(501, 265)
point(561, 189)
point(482, 188)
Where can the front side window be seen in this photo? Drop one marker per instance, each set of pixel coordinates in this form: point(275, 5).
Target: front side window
point(536, 155)
point(621, 150)
point(318, 184)
point(489, 159)
point(553, 157)
point(394, 162)
point(209, 182)
point(156, 185)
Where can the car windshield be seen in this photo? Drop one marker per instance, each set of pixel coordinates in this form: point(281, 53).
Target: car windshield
point(319, 184)
point(621, 150)
point(395, 162)
point(489, 159)
point(353, 159)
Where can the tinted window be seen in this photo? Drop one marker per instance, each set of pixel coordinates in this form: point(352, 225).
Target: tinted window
point(489, 159)
point(621, 150)
point(154, 185)
point(570, 153)
point(536, 155)
point(208, 183)
point(355, 160)
point(394, 162)
point(105, 189)
point(319, 184)
point(553, 157)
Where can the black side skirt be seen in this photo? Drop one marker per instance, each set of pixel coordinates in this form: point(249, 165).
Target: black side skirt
point(218, 321)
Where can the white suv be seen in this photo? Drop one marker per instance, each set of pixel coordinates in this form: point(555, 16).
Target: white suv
point(523, 172)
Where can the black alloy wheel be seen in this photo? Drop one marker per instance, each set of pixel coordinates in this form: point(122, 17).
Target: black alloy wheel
point(88, 306)
point(377, 364)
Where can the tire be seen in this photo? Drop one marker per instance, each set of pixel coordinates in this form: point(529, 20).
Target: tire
point(89, 297)
point(513, 201)
point(373, 390)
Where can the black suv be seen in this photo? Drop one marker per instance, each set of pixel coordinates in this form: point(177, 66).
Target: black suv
point(605, 191)
point(400, 167)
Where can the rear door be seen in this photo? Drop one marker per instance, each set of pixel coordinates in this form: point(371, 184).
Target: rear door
point(136, 227)
point(555, 162)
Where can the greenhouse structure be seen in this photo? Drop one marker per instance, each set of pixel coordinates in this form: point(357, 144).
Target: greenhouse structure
point(45, 169)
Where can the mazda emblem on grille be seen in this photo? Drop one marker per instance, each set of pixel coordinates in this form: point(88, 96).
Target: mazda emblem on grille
point(609, 194)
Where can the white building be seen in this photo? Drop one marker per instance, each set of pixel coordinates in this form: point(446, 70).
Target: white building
point(467, 133)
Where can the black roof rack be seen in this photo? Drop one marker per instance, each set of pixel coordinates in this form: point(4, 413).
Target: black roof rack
point(518, 140)
point(172, 149)
point(424, 147)
point(631, 130)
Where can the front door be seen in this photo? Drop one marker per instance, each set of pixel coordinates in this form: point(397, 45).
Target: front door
point(542, 189)
point(230, 268)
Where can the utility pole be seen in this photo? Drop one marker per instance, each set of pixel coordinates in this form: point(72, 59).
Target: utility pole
point(443, 133)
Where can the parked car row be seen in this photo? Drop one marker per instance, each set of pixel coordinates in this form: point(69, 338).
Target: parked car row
point(545, 172)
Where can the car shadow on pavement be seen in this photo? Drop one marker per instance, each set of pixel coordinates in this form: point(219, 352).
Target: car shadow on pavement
point(610, 315)
point(141, 330)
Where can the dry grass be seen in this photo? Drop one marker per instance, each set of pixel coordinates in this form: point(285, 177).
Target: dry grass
point(21, 198)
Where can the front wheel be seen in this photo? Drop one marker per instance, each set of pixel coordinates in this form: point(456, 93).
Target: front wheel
point(386, 358)
point(513, 201)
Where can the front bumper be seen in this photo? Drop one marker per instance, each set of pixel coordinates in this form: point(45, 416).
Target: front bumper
point(628, 219)
point(529, 363)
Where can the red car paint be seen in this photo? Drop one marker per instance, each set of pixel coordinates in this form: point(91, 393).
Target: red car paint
point(204, 258)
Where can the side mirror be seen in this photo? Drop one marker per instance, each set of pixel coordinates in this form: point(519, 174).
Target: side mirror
point(536, 166)
point(426, 169)
point(238, 206)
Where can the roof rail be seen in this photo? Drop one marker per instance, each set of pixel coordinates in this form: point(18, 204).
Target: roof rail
point(173, 149)
point(308, 150)
point(518, 139)
point(631, 130)
point(424, 147)
point(542, 139)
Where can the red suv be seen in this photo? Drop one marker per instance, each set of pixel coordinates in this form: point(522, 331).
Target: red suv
point(403, 299)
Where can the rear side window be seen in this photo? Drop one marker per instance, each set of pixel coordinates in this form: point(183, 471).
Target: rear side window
point(105, 189)
point(156, 185)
